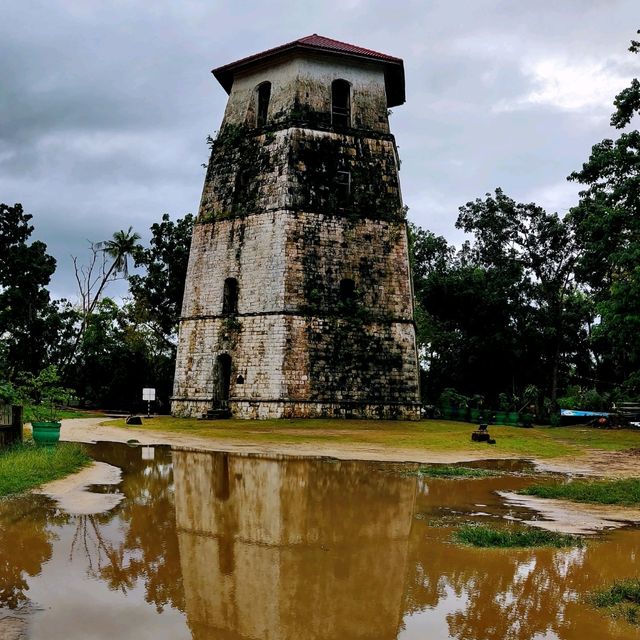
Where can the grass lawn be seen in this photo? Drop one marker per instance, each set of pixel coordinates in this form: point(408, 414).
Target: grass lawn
point(621, 600)
point(26, 466)
point(430, 435)
point(480, 536)
point(63, 414)
point(455, 471)
point(624, 492)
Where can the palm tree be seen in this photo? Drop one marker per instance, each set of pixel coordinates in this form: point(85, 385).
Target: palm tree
point(122, 245)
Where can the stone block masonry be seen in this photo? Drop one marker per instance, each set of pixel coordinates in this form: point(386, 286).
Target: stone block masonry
point(298, 299)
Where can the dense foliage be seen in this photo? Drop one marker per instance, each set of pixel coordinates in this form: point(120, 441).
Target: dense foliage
point(106, 351)
point(534, 308)
point(533, 312)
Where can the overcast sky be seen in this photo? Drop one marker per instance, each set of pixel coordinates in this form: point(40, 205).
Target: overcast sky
point(105, 105)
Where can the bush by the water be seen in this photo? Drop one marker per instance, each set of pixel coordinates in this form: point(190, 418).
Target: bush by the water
point(625, 492)
point(25, 466)
point(622, 600)
point(482, 536)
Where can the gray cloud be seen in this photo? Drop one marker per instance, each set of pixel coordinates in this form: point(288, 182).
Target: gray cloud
point(104, 107)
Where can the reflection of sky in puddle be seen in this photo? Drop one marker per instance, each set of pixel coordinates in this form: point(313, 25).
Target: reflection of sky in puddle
point(239, 547)
point(432, 623)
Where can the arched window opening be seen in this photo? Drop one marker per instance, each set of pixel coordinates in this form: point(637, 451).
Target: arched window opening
point(263, 96)
point(347, 290)
point(341, 103)
point(230, 297)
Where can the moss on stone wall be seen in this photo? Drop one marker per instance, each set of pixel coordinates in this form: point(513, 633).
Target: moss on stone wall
point(251, 171)
point(351, 359)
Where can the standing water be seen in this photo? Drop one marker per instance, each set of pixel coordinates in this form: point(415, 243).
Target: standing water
point(224, 546)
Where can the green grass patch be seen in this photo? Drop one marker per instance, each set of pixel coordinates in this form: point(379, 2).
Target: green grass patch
point(486, 537)
point(62, 414)
point(454, 471)
point(623, 492)
point(26, 466)
point(427, 435)
point(621, 600)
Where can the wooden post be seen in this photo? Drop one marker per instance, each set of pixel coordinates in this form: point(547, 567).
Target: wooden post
point(17, 432)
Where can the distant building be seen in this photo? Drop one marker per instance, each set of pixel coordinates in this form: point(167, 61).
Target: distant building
point(298, 299)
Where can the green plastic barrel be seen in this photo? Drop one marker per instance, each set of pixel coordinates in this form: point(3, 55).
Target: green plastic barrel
point(501, 417)
point(513, 418)
point(46, 433)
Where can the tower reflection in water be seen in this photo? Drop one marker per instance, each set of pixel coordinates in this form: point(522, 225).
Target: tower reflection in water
point(284, 548)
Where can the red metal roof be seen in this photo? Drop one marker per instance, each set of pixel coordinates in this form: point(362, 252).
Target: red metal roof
point(394, 68)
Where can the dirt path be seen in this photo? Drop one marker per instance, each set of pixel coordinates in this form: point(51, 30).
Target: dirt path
point(573, 517)
point(593, 463)
point(72, 494)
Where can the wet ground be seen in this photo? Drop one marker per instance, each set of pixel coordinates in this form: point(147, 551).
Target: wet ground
point(227, 546)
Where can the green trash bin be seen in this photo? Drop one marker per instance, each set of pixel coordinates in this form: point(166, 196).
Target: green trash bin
point(501, 417)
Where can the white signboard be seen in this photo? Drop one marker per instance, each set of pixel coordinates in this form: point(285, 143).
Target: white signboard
point(148, 453)
point(148, 394)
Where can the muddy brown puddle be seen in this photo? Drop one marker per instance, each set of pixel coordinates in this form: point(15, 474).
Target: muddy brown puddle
point(231, 547)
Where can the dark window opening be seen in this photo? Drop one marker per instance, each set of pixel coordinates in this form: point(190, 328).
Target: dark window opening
point(241, 187)
point(230, 297)
point(240, 379)
point(222, 381)
point(347, 290)
point(343, 186)
point(341, 103)
point(242, 179)
point(264, 95)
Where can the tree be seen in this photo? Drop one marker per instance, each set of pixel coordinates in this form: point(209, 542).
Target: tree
point(538, 249)
point(158, 292)
point(465, 321)
point(109, 260)
point(116, 358)
point(607, 228)
point(25, 271)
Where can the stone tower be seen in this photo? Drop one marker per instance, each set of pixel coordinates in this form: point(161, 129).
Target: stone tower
point(298, 299)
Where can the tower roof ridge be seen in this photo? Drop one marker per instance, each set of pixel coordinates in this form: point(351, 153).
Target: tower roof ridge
point(314, 42)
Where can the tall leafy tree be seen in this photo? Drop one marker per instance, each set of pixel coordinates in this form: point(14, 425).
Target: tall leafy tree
point(159, 289)
point(607, 227)
point(464, 322)
point(538, 249)
point(117, 357)
point(25, 310)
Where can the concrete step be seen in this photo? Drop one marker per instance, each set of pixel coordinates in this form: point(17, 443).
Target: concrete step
point(216, 414)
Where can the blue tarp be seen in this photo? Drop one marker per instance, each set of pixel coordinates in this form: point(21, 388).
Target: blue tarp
point(583, 414)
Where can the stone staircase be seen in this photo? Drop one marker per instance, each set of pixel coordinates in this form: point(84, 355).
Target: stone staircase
point(216, 414)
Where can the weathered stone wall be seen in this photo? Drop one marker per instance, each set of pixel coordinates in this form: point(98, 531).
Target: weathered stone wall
point(295, 168)
point(301, 92)
point(299, 348)
point(251, 249)
point(293, 211)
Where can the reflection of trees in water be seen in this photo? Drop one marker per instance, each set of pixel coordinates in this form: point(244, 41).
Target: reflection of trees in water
point(104, 559)
point(25, 544)
point(511, 594)
point(137, 541)
point(148, 550)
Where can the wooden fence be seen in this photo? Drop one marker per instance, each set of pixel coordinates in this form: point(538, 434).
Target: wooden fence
point(10, 424)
